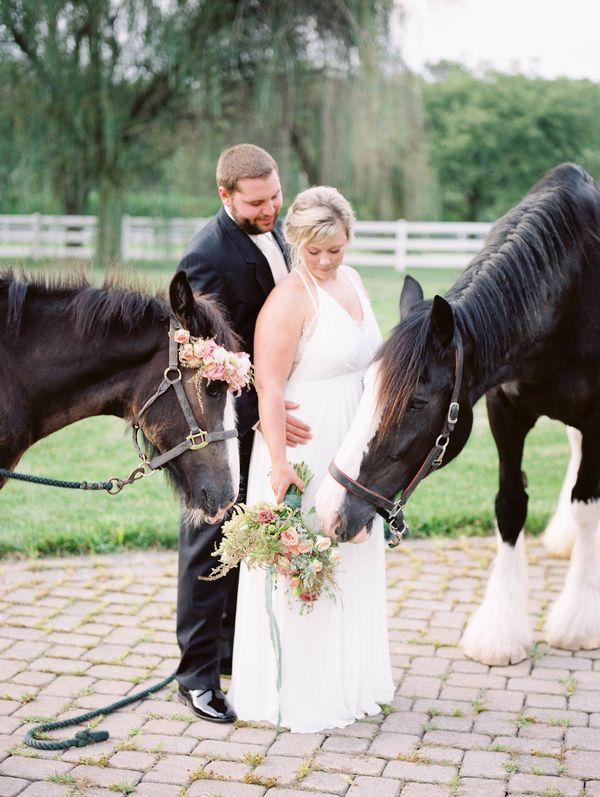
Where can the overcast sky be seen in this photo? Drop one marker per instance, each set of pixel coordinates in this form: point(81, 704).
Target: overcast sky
point(544, 38)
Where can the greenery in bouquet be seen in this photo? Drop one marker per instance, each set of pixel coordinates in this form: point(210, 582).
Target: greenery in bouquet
point(277, 538)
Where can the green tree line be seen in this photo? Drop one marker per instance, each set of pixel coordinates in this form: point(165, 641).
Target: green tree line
point(112, 106)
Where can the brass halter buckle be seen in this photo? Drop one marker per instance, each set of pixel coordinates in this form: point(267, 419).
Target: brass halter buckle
point(200, 436)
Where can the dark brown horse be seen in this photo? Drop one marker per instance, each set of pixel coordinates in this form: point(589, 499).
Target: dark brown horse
point(70, 351)
point(526, 314)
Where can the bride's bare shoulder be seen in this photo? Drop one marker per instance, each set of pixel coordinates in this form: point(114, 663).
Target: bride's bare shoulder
point(291, 291)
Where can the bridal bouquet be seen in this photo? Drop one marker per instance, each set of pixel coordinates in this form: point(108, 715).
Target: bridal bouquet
point(277, 538)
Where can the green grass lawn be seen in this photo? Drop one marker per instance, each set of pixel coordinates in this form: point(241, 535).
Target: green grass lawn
point(459, 499)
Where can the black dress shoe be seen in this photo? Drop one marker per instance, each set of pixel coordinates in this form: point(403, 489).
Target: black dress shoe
point(208, 704)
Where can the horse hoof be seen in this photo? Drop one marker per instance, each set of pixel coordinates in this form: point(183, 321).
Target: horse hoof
point(558, 546)
point(563, 644)
point(496, 658)
point(556, 640)
point(557, 634)
point(490, 639)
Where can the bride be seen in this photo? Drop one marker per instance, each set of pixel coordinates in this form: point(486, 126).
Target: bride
point(315, 337)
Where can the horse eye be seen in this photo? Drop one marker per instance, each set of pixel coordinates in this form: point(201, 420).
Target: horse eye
point(416, 404)
point(214, 389)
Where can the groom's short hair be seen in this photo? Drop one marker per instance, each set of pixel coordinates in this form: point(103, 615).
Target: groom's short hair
point(243, 161)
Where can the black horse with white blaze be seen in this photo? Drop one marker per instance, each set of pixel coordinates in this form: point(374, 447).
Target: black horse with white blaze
point(526, 313)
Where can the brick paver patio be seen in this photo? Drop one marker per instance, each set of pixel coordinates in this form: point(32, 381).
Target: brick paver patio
point(82, 632)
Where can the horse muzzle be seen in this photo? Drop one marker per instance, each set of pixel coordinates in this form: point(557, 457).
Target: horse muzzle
point(343, 532)
point(208, 504)
point(218, 516)
point(355, 520)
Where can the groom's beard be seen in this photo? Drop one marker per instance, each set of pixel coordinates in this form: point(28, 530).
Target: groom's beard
point(250, 227)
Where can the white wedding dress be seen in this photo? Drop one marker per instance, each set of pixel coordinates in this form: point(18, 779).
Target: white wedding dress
point(335, 663)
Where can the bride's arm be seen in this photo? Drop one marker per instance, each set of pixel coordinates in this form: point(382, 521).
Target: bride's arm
point(278, 331)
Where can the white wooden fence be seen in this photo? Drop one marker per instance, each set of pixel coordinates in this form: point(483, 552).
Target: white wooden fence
point(399, 244)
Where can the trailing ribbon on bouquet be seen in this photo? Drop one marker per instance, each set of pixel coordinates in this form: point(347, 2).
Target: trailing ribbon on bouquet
point(293, 499)
point(275, 637)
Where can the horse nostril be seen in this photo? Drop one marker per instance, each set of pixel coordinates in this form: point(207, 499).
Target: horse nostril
point(208, 502)
point(335, 525)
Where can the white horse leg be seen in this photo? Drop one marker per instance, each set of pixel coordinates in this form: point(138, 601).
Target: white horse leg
point(561, 531)
point(499, 631)
point(573, 622)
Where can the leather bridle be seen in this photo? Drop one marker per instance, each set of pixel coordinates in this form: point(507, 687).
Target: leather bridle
point(197, 438)
point(393, 511)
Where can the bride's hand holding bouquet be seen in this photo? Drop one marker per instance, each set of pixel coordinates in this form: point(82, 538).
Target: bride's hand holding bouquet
point(277, 538)
point(284, 477)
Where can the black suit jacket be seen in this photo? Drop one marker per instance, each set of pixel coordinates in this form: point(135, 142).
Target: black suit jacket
point(222, 260)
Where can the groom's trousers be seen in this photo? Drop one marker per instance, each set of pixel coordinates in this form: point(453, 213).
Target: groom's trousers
point(206, 609)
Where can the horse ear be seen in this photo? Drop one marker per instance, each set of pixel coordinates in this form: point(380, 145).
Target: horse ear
point(412, 294)
point(442, 321)
point(182, 299)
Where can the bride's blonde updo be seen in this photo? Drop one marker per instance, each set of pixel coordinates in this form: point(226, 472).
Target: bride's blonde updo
point(314, 215)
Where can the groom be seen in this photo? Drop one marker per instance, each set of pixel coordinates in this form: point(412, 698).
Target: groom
point(238, 256)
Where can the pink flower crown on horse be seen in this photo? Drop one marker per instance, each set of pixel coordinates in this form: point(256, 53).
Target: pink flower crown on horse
point(214, 362)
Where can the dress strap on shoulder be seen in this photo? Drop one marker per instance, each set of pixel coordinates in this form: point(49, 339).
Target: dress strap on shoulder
point(306, 285)
point(356, 283)
point(352, 278)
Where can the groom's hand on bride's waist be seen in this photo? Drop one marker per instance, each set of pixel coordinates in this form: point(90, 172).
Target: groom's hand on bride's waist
point(296, 431)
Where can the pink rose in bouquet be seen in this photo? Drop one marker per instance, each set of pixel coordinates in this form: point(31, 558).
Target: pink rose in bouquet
point(305, 546)
point(290, 538)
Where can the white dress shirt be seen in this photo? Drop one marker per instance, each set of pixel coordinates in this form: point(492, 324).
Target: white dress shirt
point(270, 248)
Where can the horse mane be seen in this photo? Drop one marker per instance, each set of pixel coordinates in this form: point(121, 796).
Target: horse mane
point(94, 309)
point(505, 293)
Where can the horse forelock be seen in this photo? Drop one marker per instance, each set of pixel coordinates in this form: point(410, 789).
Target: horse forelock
point(402, 364)
point(213, 317)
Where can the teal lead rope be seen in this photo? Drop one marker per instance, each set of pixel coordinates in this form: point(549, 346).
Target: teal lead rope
point(86, 736)
point(25, 477)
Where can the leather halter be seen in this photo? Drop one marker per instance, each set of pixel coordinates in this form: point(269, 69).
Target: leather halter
point(393, 511)
point(197, 438)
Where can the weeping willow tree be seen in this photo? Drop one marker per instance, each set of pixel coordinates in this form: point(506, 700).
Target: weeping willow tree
point(372, 141)
point(339, 111)
point(109, 73)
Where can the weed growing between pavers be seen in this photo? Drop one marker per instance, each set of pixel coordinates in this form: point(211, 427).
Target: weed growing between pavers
point(254, 759)
point(256, 780)
point(304, 768)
